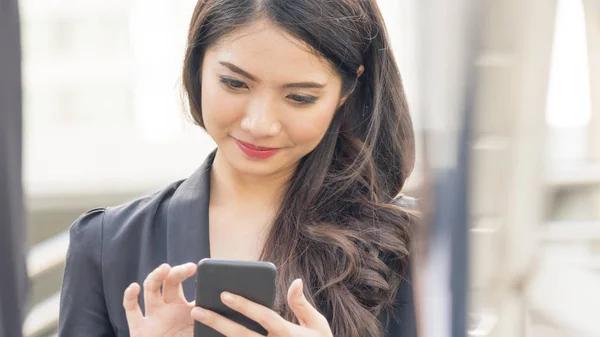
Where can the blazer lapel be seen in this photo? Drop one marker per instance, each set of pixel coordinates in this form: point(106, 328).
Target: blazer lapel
point(187, 222)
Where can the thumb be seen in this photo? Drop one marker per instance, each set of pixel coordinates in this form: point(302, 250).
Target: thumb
point(307, 315)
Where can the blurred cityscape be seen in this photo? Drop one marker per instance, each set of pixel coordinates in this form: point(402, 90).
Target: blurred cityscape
point(102, 101)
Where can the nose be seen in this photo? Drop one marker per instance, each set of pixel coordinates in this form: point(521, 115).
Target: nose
point(260, 119)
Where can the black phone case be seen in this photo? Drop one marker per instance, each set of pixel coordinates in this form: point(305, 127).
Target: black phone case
point(254, 280)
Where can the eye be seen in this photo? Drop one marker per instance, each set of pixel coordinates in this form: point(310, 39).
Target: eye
point(301, 99)
point(232, 83)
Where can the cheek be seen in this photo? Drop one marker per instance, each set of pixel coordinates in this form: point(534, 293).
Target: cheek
point(308, 129)
point(220, 112)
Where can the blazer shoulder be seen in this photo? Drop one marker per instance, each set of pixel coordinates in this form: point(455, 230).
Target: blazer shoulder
point(142, 211)
point(85, 233)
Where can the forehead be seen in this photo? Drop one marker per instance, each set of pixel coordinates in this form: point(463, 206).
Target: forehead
point(270, 53)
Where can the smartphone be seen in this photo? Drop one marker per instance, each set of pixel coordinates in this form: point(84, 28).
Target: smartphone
point(254, 280)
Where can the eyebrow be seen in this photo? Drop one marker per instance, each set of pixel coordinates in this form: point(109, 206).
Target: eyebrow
point(238, 70)
point(305, 85)
point(300, 85)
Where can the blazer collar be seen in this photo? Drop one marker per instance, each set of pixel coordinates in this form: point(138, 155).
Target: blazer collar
point(187, 221)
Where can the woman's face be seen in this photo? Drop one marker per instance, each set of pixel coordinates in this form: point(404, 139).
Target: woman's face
point(267, 100)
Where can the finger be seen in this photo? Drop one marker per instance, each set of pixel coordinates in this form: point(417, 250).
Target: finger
point(307, 315)
point(262, 315)
point(152, 283)
point(221, 324)
point(133, 312)
point(172, 290)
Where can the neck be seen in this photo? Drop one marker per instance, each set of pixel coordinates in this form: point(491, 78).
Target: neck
point(243, 191)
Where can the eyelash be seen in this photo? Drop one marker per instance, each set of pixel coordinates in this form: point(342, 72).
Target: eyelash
point(300, 99)
point(230, 83)
point(295, 98)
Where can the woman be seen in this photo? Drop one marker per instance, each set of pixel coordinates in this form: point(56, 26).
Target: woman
point(314, 142)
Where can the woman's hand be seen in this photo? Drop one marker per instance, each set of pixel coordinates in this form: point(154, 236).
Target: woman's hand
point(312, 323)
point(167, 312)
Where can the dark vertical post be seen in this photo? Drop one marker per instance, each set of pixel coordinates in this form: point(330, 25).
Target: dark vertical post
point(13, 282)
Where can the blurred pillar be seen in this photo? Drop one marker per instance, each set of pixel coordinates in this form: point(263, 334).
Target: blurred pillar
point(574, 312)
point(490, 58)
point(447, 41)
point(506, 204)
point(13, 279)
point(592, 23)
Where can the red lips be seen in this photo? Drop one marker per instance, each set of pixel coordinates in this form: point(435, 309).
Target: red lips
point(256, 152)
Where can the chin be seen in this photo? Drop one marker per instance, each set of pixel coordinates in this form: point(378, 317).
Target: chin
point(249, 167)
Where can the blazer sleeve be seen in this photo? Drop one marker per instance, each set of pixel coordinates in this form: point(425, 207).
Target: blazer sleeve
point(83, 309)
point(402, 321)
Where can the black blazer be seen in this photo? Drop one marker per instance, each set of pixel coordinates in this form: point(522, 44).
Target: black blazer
point(112, 247)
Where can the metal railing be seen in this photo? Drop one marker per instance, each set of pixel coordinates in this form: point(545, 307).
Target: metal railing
point(43, 257)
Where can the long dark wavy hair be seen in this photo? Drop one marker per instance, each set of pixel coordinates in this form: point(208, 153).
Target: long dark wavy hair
point(337, 227)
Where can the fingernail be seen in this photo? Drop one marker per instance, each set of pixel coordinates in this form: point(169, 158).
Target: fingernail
point(226, 297)
point(301, 286)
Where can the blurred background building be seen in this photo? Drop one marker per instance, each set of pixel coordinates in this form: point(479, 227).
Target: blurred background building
point(102, 99)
